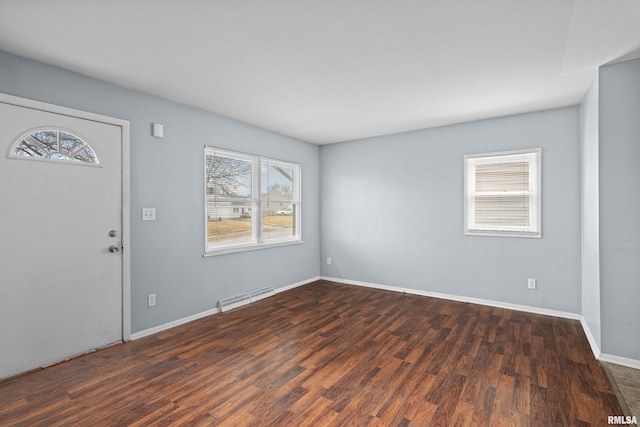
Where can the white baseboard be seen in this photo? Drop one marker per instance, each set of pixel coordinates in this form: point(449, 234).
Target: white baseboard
point(499, 304)
point(592, 340)
point(295, 285)
point(623, 361)
point(173, 324)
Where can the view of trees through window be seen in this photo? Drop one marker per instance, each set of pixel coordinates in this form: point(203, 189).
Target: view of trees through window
point(54, 144)
point(249, 200)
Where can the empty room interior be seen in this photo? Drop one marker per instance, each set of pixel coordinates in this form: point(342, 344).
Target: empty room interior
point(319, 213)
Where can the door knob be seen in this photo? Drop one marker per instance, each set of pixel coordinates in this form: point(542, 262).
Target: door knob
point(114, 249)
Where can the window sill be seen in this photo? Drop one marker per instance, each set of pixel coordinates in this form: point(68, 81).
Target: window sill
point(248, 248)
point(498, 233)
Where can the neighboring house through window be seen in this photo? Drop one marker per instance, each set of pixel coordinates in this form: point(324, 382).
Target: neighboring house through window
point(250, 202)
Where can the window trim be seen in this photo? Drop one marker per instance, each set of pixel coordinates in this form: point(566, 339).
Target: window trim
point(470, 161)
point(256, 204)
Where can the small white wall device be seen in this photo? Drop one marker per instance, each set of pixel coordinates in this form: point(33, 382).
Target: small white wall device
point(157, 130)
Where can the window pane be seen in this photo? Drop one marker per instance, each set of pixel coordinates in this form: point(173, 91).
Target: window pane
point(29, 147)
point(69, 144)
point(39, 144)
point(228, 177)
point(278, 221)
point(48, 139)
point(511, 211)
point(60, 156)
point(86, 155)
point(502, 177)
point(229, 223)
point(277, 182)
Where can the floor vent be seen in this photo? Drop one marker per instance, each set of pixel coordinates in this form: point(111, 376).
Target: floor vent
point(233, 302)
point(243, 299)
point(259, 294)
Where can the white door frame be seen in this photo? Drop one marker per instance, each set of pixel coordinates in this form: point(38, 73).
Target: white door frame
point(126, 202)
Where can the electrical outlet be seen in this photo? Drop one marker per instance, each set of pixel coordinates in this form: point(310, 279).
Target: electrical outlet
point(328, 260)
point(531, 283)
point(148, 214)
point(151, 300)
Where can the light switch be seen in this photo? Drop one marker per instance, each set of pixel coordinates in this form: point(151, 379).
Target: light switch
point(148, 214)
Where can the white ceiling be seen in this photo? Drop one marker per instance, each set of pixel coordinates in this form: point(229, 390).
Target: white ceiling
point(333, 70)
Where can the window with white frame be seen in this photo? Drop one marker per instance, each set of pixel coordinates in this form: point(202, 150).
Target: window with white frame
point(250, 201)
point(502, 193)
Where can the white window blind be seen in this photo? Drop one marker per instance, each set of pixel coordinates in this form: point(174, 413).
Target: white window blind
point(502, 193)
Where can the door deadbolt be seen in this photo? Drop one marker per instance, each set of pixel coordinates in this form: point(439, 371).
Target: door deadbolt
point(113, 233)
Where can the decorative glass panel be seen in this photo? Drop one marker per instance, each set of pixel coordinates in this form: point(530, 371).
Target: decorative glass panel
point(57, 145)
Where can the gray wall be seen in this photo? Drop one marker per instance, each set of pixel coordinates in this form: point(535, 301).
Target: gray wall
point(167, 174)
point(392, 212)
point(589, 137)
point(619, 206)
point(392, 206)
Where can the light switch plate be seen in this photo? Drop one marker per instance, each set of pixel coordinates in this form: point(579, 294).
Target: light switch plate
point(148, 214)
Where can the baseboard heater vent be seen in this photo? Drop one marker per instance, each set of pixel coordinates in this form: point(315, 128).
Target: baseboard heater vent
point(246, 298)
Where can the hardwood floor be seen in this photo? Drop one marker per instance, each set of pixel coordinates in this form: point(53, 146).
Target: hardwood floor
point(331, 355)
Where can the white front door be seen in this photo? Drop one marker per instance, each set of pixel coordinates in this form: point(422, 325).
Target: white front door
point(61, 264)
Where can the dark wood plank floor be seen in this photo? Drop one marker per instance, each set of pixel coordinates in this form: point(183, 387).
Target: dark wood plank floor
point(330, 354)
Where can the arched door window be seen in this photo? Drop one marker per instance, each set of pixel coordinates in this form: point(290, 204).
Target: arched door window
point(55, 145)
